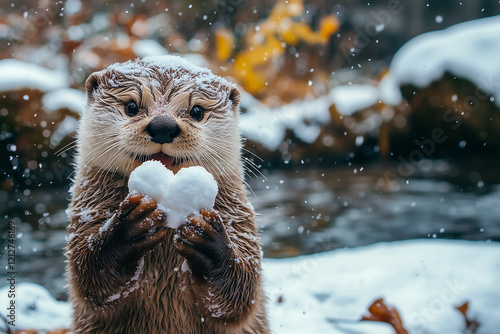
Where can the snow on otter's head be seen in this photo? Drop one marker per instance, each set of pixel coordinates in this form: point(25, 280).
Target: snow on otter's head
point(160, 108)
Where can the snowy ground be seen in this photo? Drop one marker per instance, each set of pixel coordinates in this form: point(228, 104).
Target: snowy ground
point(423, 279)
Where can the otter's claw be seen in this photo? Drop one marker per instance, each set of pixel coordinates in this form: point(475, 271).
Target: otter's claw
point(142, 224)
point(203, 242)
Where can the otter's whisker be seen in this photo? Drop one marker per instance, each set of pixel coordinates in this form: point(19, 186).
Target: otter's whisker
point(252, 153)
point(66, 148)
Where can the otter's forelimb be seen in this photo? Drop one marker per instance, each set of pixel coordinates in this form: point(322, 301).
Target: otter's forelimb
point(109, 249)
point(224, 273)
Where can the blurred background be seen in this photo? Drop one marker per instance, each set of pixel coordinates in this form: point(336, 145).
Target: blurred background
point(362, 124)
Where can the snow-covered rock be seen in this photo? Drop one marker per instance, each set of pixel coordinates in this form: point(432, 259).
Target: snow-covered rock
point(268, 126)
point(469, 50)
point(66, 127)
point(305, 118)
point(65, 98)
point(16, 74)
point(148, 47)
point(351, 98)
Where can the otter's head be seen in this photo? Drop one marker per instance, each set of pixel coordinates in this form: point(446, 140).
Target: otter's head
point(160, 108)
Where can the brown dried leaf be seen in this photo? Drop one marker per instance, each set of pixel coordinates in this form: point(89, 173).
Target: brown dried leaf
point(463, 308)
point(379, 311)
point(470, 325)
point(59, 331)
point(32, 331)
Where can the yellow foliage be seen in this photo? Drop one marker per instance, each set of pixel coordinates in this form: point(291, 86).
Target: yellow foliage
point(224, 43)
point(328, 26)
point(269, 40)
point(247, 61)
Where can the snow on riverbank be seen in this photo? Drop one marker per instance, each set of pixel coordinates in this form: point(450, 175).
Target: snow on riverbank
point(35, 308)
point(268, 126)
point(16, 74)
point(65, 98)
point(423, 279)
point(469, 50)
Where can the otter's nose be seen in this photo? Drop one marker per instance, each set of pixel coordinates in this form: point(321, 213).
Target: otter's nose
point(163, 129)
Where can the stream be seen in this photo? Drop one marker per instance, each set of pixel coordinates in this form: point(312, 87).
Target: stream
point(300, 212)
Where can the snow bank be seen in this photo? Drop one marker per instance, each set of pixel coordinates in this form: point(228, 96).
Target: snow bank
point(66, 127)
point(268, 126)
point(187, 192)
point(16, 74)
point(469, 50)
point(35, 308)
point(423, 279)
point(148, 47)
point(65, 98)
point(352, 98)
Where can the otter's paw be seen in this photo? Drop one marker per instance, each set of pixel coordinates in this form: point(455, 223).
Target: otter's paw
point(141, 224)
point(203, 242)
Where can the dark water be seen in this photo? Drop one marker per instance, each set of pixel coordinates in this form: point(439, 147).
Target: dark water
point(301, 212)
point(309, 212)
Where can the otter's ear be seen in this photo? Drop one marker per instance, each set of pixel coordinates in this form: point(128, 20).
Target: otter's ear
point(92, 85)
point(235, 98)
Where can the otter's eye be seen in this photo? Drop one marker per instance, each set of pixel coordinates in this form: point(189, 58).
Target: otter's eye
point(131, 109)
point(197, 113)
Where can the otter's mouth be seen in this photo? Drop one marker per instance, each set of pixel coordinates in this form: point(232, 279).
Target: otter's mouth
point(165, 159)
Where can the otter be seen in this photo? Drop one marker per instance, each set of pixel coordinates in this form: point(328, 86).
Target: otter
point(128, 272)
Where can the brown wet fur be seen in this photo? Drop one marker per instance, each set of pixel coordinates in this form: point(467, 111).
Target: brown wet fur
point(128, 273)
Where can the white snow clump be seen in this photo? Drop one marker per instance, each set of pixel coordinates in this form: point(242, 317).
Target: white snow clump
point(191, 190)
point(187, 192)
point(150, 179)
